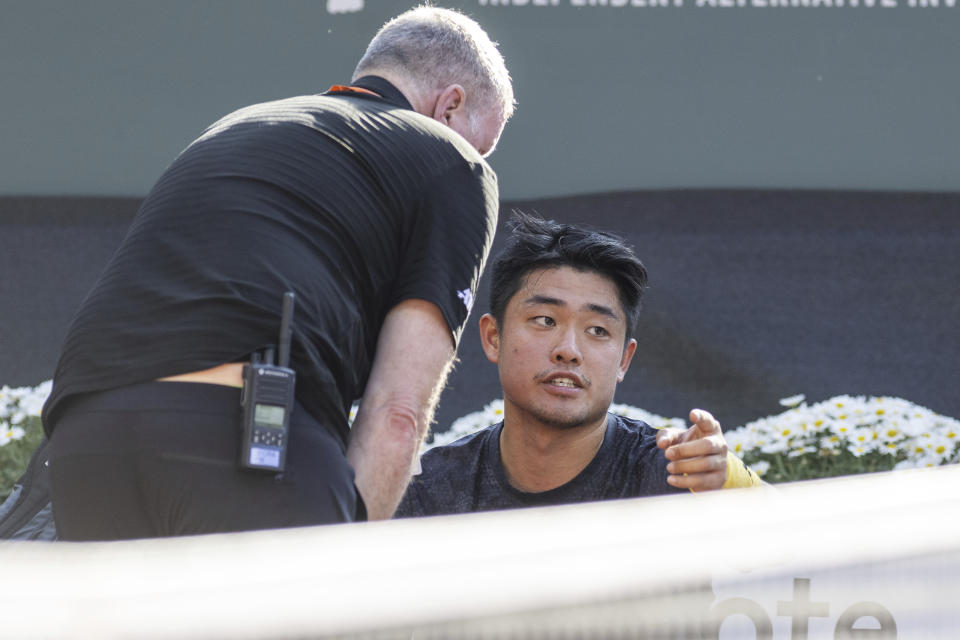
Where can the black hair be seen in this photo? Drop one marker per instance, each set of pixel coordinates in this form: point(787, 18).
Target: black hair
point(536, 243)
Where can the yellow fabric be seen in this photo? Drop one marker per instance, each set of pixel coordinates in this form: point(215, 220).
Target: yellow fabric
point(738, 475)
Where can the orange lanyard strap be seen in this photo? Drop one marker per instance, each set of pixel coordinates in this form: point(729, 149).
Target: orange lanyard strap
point(344, 88)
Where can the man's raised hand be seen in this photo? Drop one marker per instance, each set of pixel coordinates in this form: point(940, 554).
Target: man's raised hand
point(697, 454)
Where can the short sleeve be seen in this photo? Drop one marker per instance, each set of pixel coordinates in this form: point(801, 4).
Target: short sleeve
point(450, 235)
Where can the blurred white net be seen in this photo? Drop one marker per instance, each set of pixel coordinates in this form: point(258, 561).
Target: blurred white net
point(841, 558)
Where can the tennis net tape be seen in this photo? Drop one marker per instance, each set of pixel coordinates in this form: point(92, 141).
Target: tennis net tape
point(875, 556)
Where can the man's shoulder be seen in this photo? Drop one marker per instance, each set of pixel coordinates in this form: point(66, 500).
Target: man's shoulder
point(448, 477)
point(464, 449)
point(363, 115)
point(636, 453)
point(633, 428)
point(634, 442)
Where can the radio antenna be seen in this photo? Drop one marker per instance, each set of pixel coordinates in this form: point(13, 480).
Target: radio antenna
point(286, 321)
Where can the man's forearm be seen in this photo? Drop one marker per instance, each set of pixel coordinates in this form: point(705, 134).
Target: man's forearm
point(414, 355)
point(382, 448)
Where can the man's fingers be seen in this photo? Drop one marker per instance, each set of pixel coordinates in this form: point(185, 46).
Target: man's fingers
point(714, 445)
point(704, 464)
point(699, 482)
point(697, 455)
point(705, 422)
point(668, 437)
point(705, 426)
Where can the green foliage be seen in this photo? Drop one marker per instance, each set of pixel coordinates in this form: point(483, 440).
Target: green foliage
point(819, 464)
point(15, 455)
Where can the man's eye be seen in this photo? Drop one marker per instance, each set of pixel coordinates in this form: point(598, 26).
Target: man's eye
point(544, 321)
point(599, 332)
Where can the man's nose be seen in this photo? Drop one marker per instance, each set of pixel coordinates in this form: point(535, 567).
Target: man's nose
point(567, 349)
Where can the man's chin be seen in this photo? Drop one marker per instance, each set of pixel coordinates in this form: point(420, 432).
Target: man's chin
point(563, 420)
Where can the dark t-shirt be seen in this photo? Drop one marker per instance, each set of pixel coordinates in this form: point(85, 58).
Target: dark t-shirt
point(354, 202)
point(467, 475)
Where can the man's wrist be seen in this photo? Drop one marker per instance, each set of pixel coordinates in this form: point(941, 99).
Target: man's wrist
point(739, 476)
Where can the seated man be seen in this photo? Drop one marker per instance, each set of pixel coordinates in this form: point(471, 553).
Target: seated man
point(564, 307)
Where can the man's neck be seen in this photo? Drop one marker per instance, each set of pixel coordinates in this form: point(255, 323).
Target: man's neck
point(538, 457)
point(405, 86)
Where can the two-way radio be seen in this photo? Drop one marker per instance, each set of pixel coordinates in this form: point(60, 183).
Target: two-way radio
point(267, 401)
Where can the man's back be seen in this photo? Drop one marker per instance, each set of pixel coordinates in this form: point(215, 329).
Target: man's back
point(353, 202)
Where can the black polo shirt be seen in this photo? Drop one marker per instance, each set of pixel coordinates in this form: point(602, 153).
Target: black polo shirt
point(352, 201)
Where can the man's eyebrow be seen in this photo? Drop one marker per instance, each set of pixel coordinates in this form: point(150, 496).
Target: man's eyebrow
point(557, 302)
point(541, 299)
point(603, 310)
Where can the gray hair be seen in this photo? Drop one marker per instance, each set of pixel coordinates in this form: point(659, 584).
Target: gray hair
point(432, 48)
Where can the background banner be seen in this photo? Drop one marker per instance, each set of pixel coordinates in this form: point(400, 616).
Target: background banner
point(614, 95)
point(754, 295)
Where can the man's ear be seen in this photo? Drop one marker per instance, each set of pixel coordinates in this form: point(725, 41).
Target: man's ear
point(625, 359)
point(490, 337)
point(451, 103)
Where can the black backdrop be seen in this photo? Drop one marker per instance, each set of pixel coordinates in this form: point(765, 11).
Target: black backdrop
point(755, 295)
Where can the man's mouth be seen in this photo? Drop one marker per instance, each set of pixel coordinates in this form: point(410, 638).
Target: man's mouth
point(567, 381)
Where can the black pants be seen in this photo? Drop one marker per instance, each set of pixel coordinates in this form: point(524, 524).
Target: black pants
point(160, 459)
